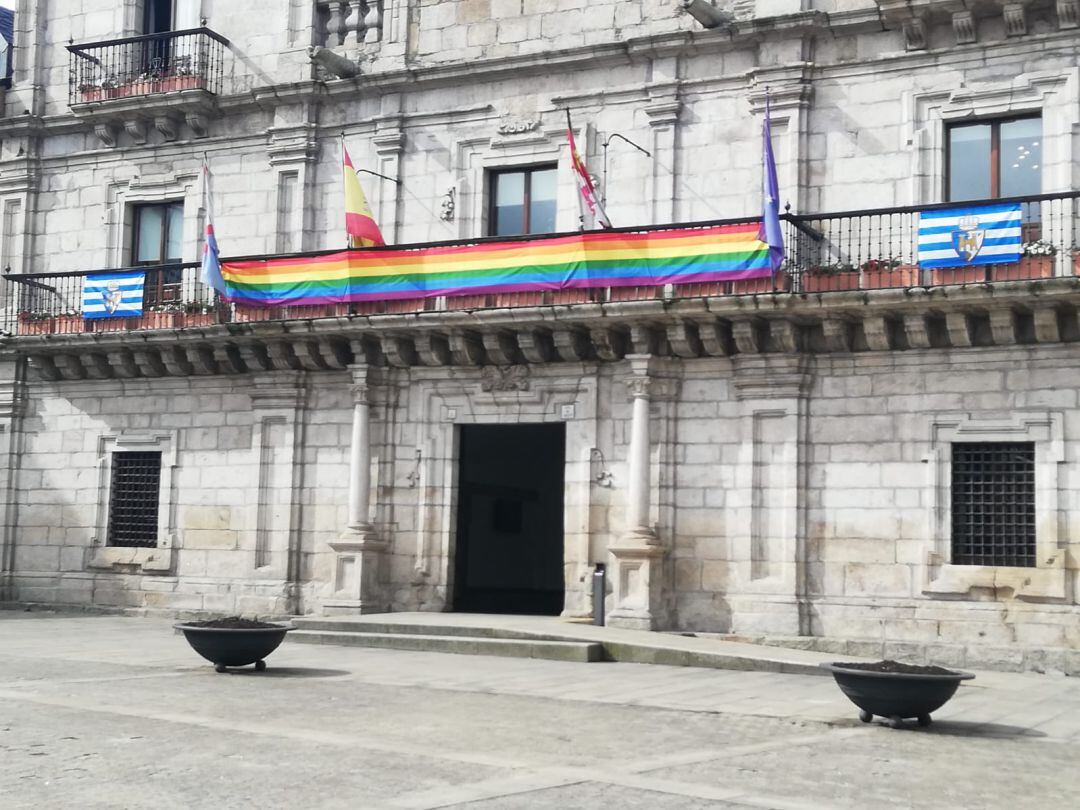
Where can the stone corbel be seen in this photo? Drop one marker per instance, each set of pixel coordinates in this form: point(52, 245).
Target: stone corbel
point(963, 23)
point(685, 340)
point(176, 362)
point(750, 335)
point(433, 349)
point(123, 363)
point(107, 132)
point(167, 125)
point(838, 334)
point(572, 345)
point(716, 337)
point(958, 325)
point(282, 356)
point(148, 363)
point(45, 367)
point(502, 348)
point(70, 366)
point(202, 360)
point(1003, 326)
point(536, 345)
point(878, 332)
point(136, 130)
point(610, 344)
point(1015, 17)
point(198, 122)
point(466, 347)
point(228, 359)
point(915, 30)
point(399, 350)
point(1047, 329)
point(1068, 13)
point(255, 357)
point(917, 331)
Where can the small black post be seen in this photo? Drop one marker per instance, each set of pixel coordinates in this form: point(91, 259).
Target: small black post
point(599, 588)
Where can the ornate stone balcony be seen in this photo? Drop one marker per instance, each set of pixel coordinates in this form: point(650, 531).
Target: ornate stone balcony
point(851, 283)
point(156, 80)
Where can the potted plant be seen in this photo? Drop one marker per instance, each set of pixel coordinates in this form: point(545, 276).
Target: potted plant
point(780, 281)
point(896, 691)
point(234, 641)
point(831, 277)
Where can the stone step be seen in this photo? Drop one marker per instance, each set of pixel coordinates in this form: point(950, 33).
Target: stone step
point(345, 625)
point(580, 651)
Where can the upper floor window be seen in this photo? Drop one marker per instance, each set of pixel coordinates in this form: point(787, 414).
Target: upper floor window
point(994, 159)
point(162, 16)
point(522, 201)
point(157, 239)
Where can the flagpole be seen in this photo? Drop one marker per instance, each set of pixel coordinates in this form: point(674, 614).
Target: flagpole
point(348, 237)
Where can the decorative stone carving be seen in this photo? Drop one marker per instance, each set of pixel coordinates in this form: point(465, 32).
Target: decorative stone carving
point(501, 347)
point(1068, 13)
point(149, 363)
point(536, 345)
point(107, 132)
point(917, 331)
point(610, 344)
point(958, 325)
point(1015, 19)
point(168, 126)
point(124, 364)
point(433, 349)
point(915, 34)
point(508, 378)
point(517, 126)
point(198, 122)
point(684, 339)
point(466, 347)
point(399, 351)
point(963, 23)
point(572, 345)
point(136, 130)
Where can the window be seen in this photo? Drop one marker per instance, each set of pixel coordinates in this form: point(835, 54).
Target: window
point(522, 201)
point(133, 499)
point(157, 239)
point(994, 159)
point(993, 503)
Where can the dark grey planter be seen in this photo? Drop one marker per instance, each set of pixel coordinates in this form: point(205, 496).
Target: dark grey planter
point(234, 647)
point(896, 696)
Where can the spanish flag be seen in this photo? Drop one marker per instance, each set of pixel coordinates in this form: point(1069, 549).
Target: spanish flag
point(359, 221)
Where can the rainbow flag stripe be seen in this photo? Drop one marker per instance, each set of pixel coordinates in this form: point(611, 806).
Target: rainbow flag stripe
point(593, 259)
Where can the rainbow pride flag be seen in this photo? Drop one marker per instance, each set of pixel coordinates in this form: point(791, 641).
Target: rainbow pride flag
point(592, 259)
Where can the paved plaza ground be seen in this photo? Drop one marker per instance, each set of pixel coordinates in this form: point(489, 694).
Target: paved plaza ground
point(113, 712)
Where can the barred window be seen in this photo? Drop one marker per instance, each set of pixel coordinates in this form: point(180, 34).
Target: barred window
point(993, 503)
point(133, 498)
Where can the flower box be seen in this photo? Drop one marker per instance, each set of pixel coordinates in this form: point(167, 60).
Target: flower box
point(169, 84)
point(34, 325)
point(959, 275)
point(165, 319)
point(198, 319)
point(1029, 267)
point(902, 277)
point(779, 282)
point(830, 282)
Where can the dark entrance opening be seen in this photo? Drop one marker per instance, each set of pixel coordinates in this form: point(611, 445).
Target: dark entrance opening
point(509, 552)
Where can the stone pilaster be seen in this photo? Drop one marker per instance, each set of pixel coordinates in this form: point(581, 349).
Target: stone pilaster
point(357, 578)
point(12, 399)
point(639, 555)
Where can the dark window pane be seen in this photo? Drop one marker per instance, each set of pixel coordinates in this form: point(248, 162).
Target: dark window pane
point(969, 162)
point(1020, 160)
point(542, 205)
point(509, 204)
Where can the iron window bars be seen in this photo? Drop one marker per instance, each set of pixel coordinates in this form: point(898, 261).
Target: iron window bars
point(133, 499)
point(993, 503)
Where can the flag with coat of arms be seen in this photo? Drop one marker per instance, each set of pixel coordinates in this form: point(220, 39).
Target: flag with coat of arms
point(113, 295)
point(958, 237)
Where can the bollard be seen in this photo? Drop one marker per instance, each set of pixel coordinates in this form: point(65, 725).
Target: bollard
point(599, 588)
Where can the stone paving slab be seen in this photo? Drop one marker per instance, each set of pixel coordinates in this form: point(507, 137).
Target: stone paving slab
point(111, 712)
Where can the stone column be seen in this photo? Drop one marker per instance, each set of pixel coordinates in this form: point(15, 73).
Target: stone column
point(637, 571)
point(357, 580)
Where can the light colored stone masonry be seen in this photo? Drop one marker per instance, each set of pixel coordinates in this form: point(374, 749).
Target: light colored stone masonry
point(802, 508)
point(788, 492)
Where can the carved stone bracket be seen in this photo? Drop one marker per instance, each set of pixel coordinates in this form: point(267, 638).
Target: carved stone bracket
point(107, 132)
point(136, 130)
point(502, 348)
point(1068, 13)
point(963, 23)
point(1015, 19)
point(536, 345)
point(466, 347)
point(168, 125)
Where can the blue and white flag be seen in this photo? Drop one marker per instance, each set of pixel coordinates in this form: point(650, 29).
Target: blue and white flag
point(958, 237)
point(113, 295)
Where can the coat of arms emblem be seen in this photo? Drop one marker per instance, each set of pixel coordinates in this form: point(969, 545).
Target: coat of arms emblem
point(113, 296)
point(968, 239)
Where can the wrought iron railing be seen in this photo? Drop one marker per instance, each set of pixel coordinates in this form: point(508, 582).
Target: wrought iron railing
point(826, 253)
point(147, 65)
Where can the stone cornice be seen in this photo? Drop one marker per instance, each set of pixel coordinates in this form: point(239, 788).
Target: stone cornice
point(1005, 314)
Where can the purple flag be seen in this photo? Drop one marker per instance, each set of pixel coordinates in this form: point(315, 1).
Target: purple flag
point(770, 232)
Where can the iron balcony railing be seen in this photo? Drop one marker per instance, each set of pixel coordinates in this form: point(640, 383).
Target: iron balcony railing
point(193, 59)
point(826, 253)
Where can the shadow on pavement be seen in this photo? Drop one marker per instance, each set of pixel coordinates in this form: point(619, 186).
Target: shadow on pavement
point(965, 728)
point(289, 672)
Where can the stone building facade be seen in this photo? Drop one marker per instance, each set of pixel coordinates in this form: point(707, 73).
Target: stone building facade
point(772, 464)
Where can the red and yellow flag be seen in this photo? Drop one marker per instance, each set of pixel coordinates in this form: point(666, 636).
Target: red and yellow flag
point(592, 210)
point(359, 221)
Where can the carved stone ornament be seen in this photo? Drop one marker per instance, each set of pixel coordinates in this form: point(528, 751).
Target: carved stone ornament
point(504, 378)
point(517, 126)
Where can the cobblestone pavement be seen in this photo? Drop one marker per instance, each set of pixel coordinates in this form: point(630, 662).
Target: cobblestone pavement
point(110, 712)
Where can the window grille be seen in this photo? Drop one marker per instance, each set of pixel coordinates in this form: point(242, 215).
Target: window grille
point(133, 499)
point(993, 503)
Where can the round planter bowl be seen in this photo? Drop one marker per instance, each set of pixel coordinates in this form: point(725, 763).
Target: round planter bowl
point(228, 647)
point(896, 696)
